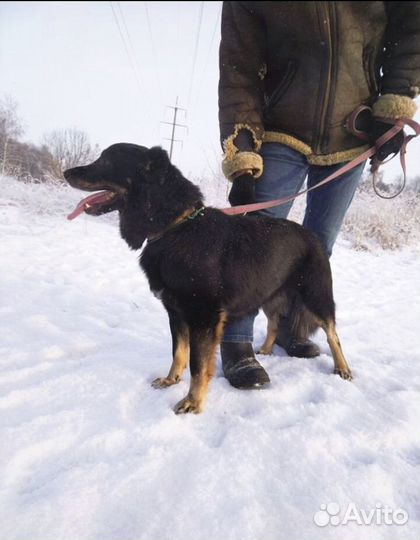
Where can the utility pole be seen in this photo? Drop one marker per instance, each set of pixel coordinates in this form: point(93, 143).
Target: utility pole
point(174, 126)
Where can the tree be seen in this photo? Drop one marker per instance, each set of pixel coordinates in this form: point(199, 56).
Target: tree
point(69, 148)
point(11, 129)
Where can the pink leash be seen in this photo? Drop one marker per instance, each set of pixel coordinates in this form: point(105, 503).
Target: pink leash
point(398, 125)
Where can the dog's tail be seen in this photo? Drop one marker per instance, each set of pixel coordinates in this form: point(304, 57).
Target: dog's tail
point(313, 305)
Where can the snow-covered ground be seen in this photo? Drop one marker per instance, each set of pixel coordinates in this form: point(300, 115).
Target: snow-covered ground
point(89, 451)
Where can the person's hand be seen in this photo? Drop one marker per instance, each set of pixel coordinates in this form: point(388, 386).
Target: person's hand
point(243, 190)
point(392, 146)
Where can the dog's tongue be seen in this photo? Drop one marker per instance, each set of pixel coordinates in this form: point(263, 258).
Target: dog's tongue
point(96, 198)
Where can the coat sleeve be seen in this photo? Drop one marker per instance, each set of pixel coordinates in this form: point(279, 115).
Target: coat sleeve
point(242, 69)
point(401, 61)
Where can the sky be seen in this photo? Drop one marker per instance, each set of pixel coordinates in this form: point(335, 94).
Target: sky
point(114, 69)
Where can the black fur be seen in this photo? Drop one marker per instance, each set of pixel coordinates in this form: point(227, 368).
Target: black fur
point(214, 263)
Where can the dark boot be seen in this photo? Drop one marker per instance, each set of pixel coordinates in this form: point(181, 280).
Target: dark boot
point(240, 366)
point(296, 345)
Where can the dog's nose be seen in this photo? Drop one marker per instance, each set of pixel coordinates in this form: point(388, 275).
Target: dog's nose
point(67, 174)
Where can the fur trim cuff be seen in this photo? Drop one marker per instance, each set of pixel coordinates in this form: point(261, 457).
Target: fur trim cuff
point(229, 145)
point(394, 106)
point(242, 161)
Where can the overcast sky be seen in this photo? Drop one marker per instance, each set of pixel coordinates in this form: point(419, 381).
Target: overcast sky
point(110, 68)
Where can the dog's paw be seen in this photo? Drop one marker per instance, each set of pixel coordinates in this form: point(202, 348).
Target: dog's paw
point(265, 350)
point(164, 382)
point(344, 374)
point(187, 405)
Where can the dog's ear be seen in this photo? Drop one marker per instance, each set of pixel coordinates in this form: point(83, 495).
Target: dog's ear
point(155, 165)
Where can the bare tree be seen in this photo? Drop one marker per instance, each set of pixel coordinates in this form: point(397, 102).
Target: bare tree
point(11, 129)
point(69, 148)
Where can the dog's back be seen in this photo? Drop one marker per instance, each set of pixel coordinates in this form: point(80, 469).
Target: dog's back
point(237, 263)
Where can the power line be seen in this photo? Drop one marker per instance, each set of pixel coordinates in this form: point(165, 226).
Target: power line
point(177, 41)
point(133, 67)
point(152, 43)
point(202, 78)
point(216, 24)
point(198, 91)
point(133, 50)
point(132, 58)
point(197, 40)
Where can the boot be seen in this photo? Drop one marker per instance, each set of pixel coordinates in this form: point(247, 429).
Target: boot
point(299, 346)
point(240, 366)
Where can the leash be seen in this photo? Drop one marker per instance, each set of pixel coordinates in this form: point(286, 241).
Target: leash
point(397, 126)
point(403, 150)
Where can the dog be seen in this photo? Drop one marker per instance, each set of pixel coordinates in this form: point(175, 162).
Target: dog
point(206, 267)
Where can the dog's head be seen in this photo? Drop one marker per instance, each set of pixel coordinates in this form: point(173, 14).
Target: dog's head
point(141, 183)
point(121, 168)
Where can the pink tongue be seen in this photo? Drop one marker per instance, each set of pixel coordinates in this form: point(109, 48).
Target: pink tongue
point(96, 198)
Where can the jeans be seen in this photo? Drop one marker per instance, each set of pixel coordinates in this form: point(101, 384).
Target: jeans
point(284, 173)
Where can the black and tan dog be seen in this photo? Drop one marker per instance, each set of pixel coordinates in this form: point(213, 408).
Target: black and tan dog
point(206, 267)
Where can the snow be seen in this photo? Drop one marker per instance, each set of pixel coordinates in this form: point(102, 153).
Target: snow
point(90, 451)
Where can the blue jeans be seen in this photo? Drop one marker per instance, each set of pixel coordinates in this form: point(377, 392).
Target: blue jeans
point(284, 173)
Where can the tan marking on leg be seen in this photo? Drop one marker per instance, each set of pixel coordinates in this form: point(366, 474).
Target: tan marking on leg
point(199, 385)
point(340, 365)
point(272, 329)
point(179, 363)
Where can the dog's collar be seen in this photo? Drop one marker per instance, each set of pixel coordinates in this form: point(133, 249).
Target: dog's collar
point(187, 216)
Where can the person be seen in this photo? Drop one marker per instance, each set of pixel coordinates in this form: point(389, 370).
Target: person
point(290, 75)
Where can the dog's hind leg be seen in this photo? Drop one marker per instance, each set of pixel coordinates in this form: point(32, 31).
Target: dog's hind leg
point(328, 325)
point(274, 309)
point(317, 296)
point(272, 329)
point(340, 365)
point(204, 339)
point(180, 351)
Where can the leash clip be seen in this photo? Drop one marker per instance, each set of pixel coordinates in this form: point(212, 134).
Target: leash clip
point(198, 212)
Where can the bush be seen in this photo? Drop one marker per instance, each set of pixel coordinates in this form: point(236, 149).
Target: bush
point(390, 224)
point(372, 222)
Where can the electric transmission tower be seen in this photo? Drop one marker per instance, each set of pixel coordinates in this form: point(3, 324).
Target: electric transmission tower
point(174, 126)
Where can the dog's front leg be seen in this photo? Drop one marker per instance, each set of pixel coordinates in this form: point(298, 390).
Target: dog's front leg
point(180, 350)
point(204, 339)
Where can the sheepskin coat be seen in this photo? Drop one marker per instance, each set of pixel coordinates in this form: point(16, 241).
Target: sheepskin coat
point(292, 72)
